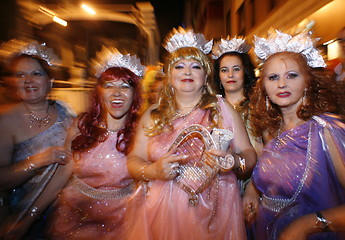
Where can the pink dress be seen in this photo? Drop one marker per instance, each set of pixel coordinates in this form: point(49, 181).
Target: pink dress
point(94, 202)
point(160, 210)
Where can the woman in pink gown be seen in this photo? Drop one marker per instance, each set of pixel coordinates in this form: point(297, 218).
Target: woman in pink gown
point(94, 202)
point(163, 207)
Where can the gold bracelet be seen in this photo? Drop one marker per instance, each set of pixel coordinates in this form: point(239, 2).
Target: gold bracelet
point(142, 169)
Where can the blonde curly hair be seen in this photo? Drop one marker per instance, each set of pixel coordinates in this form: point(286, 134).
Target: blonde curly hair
point(163, 114)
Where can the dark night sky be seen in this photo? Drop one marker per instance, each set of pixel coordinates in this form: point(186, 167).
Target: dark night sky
point(169, 14)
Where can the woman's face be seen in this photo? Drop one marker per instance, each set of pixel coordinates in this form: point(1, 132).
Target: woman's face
point(188, 76)
point(284, 81)
point(33, 83)
point(231, 73)
point(117, 97)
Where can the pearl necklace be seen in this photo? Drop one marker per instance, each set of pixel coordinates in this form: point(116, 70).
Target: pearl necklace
point(110, 131)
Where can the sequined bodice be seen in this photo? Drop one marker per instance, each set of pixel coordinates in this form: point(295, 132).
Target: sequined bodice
point(103, 166)
point(283, 162)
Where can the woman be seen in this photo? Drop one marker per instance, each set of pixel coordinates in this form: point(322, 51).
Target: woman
point(33, 132)
point(234, 77)
point(300, 174)
point(93, 204)
point(168, 205)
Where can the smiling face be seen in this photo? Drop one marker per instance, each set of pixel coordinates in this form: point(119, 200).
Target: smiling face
point(117, 97)
point(188, 76)
point(284, 80)
point(231, 73)
point(33, 83)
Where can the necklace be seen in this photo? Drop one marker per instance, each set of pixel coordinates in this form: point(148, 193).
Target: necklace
point(110, 131)
point(37, 121)
point(179, 115)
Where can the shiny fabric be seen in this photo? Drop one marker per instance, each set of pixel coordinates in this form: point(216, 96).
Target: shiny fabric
point(296, 176)
point(22, 197)
point(160, 210)
point(80, 215)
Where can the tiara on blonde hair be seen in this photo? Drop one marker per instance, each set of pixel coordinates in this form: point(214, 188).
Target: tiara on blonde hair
point(282, 42)
point(229, 45)
point(16, 47)
point(179, 38)
point(111, 57)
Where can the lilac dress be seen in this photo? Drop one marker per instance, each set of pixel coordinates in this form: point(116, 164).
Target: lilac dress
point(160, 209)
point(94, 202)
point(23, 197)
point(296, 176)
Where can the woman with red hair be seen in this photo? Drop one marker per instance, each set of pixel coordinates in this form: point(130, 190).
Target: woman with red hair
point(93, 204)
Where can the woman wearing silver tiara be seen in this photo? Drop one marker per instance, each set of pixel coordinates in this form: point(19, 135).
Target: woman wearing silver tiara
point(235, 78)
point(93, 203)
point(186, 191)
point(33, 132)
point(297, 189)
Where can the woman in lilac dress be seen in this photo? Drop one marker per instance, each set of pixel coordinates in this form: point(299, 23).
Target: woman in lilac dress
point(93, 204)
point(298, 188)
point(33, 131)
point(169, 203)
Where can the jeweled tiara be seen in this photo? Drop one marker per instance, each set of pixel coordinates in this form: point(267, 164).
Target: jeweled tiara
point(229, 45)
point(179, 38)
point(111, 57)
point(16, 47)
point(282, 42)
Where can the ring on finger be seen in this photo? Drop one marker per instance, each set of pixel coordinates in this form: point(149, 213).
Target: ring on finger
point(62, 156)
point(174, 165)
point(173, 171)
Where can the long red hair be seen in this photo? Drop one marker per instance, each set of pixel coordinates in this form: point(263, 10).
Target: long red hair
point(91, 134)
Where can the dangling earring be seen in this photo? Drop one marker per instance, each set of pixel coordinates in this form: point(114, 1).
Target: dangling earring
point(172, 90)
point(267, 103)
point(204, 89)
point(304, 99)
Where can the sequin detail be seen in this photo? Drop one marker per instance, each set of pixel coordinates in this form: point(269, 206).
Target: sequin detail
point(277, 204)
point(101, 193)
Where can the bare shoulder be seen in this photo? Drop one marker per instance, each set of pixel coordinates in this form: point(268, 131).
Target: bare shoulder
point(146, 117)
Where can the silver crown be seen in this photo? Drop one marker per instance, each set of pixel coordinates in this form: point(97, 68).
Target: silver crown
point(226, 45)
point(282, 42)
point(16, 47)
point(179, 38)
point(111, 57)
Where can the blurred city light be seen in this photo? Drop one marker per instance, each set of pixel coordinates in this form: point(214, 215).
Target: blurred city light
point(88, 9)
point(60, 21)
point(52, 15)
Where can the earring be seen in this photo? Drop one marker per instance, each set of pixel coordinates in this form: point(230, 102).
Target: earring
point(267, 103)
point(304, 99)
point(204, 89)
point(172, 90)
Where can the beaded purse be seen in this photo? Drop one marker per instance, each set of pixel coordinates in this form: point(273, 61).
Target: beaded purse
point(196, 172)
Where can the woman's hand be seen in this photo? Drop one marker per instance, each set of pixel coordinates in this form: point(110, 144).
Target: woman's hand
point(250, 203)
point(166, 168)
point(299, 229)
point(57, 154)
point(223, 162)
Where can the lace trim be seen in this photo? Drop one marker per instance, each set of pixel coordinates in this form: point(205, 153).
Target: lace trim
point(277, 204)
point(91, 192)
